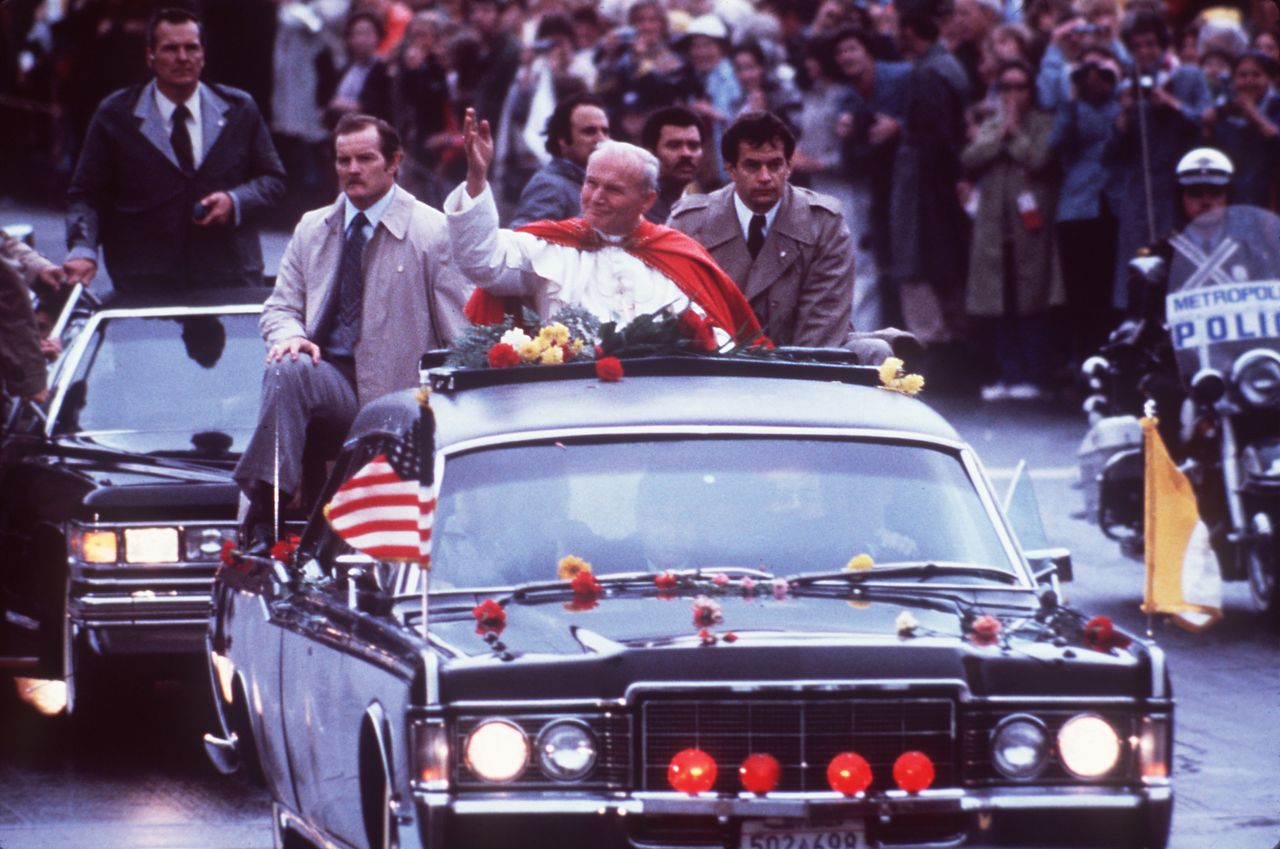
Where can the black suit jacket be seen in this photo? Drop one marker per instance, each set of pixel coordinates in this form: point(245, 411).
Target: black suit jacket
point(130, 196)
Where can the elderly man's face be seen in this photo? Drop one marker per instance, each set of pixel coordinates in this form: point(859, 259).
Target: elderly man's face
point(614, 195)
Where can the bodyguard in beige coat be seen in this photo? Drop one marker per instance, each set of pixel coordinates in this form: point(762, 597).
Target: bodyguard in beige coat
point(365, 287)
point(800, 280)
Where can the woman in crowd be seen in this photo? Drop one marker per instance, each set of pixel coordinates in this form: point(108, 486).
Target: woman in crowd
point(1013, 271)
point(1246, 127)
point(766, 86)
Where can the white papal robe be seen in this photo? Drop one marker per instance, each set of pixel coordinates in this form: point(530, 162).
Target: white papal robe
point(609, 282)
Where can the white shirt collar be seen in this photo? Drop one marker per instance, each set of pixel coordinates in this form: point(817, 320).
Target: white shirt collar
point(745, 213)
point(166, 106)
point(373, 214)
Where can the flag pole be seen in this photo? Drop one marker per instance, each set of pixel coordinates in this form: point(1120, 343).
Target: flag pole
point(426, 489)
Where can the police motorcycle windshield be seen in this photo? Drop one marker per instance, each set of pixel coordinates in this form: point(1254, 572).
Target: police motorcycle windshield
point(1223, 296)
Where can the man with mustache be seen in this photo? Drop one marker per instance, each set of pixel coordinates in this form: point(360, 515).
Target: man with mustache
point(676, 135)
point(366, 286)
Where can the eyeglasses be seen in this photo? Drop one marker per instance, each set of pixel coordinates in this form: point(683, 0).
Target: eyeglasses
point(1013, 87)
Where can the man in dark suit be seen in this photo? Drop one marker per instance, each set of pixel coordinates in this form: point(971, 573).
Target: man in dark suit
point(787, 248)
point(577, 125)
point(172, 175)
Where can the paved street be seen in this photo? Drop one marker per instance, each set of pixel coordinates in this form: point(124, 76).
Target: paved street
point(140, 779)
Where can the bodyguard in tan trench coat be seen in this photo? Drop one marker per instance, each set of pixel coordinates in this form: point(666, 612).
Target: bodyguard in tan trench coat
point(800, 284)
point(365, 287)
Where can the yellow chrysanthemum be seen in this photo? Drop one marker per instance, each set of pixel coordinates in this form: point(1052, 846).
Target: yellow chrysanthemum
point(889, 370)
point(912, 383)
point(577, 346)
point(571, 566)
point(530, 351)
point(553, 356)
point(859, 563)
point(554, 334)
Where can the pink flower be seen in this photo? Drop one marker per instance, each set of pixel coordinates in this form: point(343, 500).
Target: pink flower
point(720, 579)
point(706, 612)
point(779, 586)
point(985, 631)
point(748, 585)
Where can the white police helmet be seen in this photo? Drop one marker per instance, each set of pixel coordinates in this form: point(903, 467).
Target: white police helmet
point(1205, 166)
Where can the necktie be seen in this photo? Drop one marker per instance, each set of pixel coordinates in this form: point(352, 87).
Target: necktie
point(180, 137)
point(350, 279)
point(755, 235)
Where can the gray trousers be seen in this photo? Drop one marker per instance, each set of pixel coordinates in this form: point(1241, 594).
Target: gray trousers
point(293, 395)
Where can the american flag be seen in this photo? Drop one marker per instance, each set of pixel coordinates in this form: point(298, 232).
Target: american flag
point(386, 509)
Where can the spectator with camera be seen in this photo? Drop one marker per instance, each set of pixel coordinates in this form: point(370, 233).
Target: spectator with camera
point(1094, 27)
point(1160, 119)
point(1245, 125)
point(1089, 201)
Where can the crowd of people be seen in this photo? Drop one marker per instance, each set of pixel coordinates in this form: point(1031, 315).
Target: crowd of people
point(977, 172)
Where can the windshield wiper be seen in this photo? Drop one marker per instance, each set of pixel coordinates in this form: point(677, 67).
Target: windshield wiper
point(906, 570)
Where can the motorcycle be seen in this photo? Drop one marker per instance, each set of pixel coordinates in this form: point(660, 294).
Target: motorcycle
point(1204, 358)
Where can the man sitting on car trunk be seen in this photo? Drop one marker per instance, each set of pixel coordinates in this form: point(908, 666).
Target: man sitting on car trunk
point(365, 287)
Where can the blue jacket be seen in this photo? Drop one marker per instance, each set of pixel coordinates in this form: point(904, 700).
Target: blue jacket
point(553, 193)
point(1079, 136)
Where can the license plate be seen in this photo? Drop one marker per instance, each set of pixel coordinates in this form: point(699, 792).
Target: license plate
point(759, 834)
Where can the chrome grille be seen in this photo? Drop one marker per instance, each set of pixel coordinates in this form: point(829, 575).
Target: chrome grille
point(804, 735)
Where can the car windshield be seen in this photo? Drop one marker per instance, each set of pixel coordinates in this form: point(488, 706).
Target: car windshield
point(190, 383)
point(783, 505)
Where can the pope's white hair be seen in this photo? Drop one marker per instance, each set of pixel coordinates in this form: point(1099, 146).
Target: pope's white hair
point(643, 159)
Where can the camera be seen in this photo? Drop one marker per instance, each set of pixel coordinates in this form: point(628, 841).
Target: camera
point(199, 211)
point(1088, 29)
point(1083, 70)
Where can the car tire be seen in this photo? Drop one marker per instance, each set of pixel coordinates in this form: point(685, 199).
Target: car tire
point(1261, 568)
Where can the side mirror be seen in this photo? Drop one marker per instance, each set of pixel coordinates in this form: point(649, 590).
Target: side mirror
point(368, 581)
point(1048, 563)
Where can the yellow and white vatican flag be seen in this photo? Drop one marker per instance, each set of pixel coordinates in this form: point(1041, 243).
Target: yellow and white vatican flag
point(1183, 576)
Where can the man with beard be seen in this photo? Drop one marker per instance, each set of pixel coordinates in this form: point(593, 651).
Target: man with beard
point(676, 135)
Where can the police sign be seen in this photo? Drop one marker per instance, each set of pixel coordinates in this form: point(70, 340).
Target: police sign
point(1230, 312)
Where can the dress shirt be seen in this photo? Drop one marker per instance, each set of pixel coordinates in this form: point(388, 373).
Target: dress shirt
point(745, 214)
point(194, 126)
point(373, 214)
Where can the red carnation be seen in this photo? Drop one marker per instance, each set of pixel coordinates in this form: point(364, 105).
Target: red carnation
point(700, 330)
point(569, 353)
point(231, 557)
point(585, 584)
point(609, 369)
point(707, 638)
point(490, 616)
point(283, 549)
point(985, 631)
point(665, 581)
point(503, 355)
point(1100, 635)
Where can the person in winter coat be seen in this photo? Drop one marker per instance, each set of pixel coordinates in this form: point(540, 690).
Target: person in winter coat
point(1013, 267)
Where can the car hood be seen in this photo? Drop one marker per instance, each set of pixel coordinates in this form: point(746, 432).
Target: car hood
point(557, 649)
point(116, 478)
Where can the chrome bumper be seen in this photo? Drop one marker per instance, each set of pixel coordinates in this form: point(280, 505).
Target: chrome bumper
point(436, 811)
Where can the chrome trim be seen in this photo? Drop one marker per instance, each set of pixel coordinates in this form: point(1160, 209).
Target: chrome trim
point(282, 818)
point(223, 753)
point(76, 350)
point(101, 624)
point(987, 494)
point(153, 582)
point(1033, 702)
point(160, 599)
point(539, 704)
point(904, 685)
point(431, 673)
point(800, 805)
point(1159, 672)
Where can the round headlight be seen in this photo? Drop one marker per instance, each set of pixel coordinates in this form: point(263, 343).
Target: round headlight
point(566, 750)
point(1020, 747)
point(1088, 745)
point(1257, 374)
point(497, 750)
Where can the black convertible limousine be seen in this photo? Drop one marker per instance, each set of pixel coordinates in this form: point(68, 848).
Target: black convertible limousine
point(717, 603)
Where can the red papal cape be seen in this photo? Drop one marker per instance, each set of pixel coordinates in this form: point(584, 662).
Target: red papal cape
point(667, 251)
